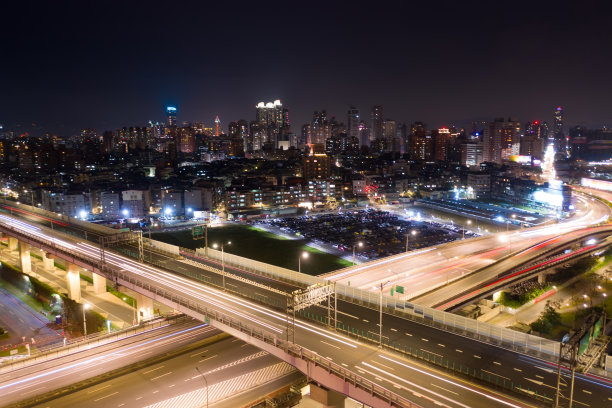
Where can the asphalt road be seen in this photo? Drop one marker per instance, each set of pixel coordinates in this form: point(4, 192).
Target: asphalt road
point(231, 368)
point(20, 321)
point(48, 375)
point(401, 375)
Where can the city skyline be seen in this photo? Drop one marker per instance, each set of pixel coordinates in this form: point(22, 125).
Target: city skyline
point(441, 65)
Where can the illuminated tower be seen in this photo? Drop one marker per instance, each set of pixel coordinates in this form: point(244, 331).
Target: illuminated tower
point(377, 122)
point(217, 126)
point(558, 137)
point(353, 122)
point(171, 111)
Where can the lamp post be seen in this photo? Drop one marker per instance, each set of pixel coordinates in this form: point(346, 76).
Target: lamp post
point(205, 382)
point(222, 259)
point(469, 222)
point(133, 308)
point(359, 244)
point(413, 233)
point(85, 307)
point(382, 284)
point(302, 255)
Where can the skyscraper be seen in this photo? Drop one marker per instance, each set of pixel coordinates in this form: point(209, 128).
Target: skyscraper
point(377, 122)
point(500, 140)
point(353, 122)
point(171, 112)
point(558, 137)
point(319, 128)
point(217, 126)
point(558, 121)
point(271, 113)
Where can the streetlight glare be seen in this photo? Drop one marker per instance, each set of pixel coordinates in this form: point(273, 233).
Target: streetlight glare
point(304, 254)
point(86, 306)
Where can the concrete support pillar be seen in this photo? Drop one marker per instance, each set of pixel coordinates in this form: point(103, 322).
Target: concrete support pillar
point(145, 307)
point(99, 284)
point(542, 278)
point(25, 262)
point(73, 282)
point(329, 398)
point(12, 243)
point(48, 262)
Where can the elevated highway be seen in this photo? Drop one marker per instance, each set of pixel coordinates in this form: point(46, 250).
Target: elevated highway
point(423, 270)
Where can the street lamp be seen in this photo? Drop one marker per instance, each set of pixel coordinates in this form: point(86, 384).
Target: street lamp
point(125, 212)
point(382, 284)
point(302, 255)
point(469, 222)
point(205, 382)
point(85, 307)
point(360, 244)
point(133, 308)
point(222, 260)
point(413, 233)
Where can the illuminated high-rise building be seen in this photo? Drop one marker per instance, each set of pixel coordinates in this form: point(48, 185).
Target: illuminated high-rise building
point(320, 129)
point(559, 138)
point(171, 112)
point(271, 113)
point(217, 126)
point(558, 121)
point(500, 140)
point(353, 122)
point(377, 122)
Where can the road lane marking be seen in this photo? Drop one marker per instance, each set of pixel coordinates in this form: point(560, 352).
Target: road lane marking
point(138, 398)
point(160, 376)
point(150, 371)
point(32, 390)
point(431, 352)
point(495, 362)
point(408, 334)
point(460, 351)
point(170, 386)
point(500, 376)
point(208, 358)
point(441, 345)
point(200, 352)
point(99, 389)
point(539, 382)
point(424, 339)
point(349, 315)
point(518, 369)
point(539, 376)
point(442, 388)
point(381, 364)
point(106, 396)
point(588, 392)
point(392, 329)
point(477, 356)
point(367, 321)
point(331, 345)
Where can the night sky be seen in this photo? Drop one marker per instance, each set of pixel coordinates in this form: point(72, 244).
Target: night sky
point(70, 65)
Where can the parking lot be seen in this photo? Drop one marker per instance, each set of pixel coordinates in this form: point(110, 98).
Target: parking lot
point(381, 233)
